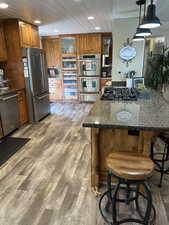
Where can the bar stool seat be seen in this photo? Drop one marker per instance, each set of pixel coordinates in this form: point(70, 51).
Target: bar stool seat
point(130, 166)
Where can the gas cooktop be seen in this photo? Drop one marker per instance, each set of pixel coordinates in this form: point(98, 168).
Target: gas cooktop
point(125, 94)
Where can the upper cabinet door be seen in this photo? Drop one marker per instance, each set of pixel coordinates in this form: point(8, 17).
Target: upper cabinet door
point(25, 34)
point(29, 35)
point(52, 49)
point(35, 37)
point(3, 51)
point(68, 46)
point(89, 44)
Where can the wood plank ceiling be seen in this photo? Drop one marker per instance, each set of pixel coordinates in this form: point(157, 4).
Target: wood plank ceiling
point(70, 16)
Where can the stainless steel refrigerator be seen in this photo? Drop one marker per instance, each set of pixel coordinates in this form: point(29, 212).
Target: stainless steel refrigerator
point(36, 80)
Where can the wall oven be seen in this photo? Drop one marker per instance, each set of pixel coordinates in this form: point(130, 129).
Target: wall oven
point(89, 84)
point(89, 65)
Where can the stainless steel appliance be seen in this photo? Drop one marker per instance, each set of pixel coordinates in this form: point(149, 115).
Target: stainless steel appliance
point(106, 61)
point(36, 79)
point(4, 84)
point(89, 84)
point(9, 112)
point(124, 94)
point(89, 65)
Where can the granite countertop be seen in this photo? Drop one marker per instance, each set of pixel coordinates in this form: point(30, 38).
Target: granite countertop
point(9, 91)
point(145, 114)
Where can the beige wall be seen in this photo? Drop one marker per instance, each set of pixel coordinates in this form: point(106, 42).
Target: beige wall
point(123, 29)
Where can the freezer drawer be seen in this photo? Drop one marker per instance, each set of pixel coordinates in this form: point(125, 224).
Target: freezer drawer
point(41, 106)
point(9, 112)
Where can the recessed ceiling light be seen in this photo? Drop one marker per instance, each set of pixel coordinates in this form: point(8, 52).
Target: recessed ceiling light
point(90, 17)
point(97, 28)
point(37, 21)
point(3, 5)
point(77, 1)
point(56, 31)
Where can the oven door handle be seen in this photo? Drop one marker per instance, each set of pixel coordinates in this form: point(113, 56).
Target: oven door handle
point(10, 97)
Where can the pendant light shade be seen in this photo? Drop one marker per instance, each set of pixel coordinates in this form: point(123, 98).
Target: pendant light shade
point(137, 38)
point(143, 32)
point(140, 32)
point(151, 20)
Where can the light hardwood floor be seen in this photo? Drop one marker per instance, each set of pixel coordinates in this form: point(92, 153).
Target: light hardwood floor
point(48, 181)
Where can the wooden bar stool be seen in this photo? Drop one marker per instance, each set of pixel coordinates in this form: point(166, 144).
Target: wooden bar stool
point(131, 170)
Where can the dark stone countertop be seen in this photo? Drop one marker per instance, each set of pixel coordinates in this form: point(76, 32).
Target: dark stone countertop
point(145, 114)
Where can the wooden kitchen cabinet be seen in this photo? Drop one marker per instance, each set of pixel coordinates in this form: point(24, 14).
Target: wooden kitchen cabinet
point(23, 113)
point(89, 44)
point(52, 48)
point(35, 40)
point(29, 35)
point(3, 51)
point(24, 34)
point(55, 89)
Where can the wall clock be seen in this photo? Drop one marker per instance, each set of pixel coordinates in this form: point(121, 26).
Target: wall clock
point(128, 52)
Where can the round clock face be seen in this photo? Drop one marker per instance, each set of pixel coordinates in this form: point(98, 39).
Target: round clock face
point(128, 53)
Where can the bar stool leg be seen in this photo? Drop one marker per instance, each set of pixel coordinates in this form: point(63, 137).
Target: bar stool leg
point(109, 195)
point(162, 171)
point(114, 201)
point(149, 204)
point(137, 203)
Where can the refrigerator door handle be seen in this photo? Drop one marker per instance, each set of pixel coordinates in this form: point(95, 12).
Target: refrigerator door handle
point(8, 98)
point(43, 70)
point(43, 96)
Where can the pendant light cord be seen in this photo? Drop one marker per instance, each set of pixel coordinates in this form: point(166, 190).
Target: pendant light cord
point(145, 8)
point(140, 15)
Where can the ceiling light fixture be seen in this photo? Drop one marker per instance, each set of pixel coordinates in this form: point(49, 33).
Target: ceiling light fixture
point(150, 20)
point(3, 5)
point(142, 32)
point(90, 17)
point(37, 21)
point(98, 28)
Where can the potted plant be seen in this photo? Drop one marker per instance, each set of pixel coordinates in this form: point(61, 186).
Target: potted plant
point(157, 74)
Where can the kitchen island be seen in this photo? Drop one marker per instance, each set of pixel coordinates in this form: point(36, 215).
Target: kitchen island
point(124, 126)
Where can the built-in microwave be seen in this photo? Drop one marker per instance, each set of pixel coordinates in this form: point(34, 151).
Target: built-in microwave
point(89, 65)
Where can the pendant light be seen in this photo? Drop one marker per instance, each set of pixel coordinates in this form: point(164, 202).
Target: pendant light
point(138, 38)
point(150, 20)
point(142, 32)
